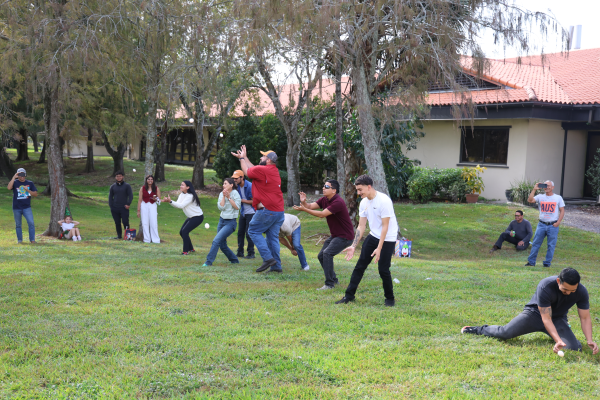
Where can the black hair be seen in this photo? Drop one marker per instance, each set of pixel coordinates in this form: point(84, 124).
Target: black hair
point(520, 212)
point(569, 276)
point(365, 180)
point(334, 185)
point(232, 182)
point(119, 173)
point(154, 189)
point(192, 191)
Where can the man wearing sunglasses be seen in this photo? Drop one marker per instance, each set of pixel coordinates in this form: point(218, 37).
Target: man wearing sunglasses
point(519, 233)
point(340, 227)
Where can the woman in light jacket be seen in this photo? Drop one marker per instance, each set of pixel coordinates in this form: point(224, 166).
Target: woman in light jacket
point(229, 203)
point(148, 199)
point(189, 202)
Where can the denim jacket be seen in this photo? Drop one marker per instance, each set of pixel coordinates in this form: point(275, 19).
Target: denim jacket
point(247, 192)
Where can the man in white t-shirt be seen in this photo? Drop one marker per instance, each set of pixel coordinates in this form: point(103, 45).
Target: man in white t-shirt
point(378, 209)
point(552, 211)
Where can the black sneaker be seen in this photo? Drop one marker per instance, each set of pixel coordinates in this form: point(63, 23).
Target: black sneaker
point(250, 257)
point(493, 249)
point(266, 265)
point(529, 265)
point(469, 329)
point(390, 303)
point(344, 300)
point(547, 266)
point(240, 255)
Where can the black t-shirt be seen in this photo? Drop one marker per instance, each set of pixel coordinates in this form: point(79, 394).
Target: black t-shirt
point(548, 294)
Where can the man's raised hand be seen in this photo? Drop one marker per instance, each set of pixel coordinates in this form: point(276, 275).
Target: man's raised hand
point(302, 197)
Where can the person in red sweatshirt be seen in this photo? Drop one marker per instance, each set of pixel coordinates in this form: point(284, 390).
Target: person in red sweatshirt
point(267, 199)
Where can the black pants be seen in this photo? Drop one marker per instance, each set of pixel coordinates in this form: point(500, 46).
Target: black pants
point(189, 225)
point(243, 231)
point(385, 259)
point(120, 215)
point(505, 237)
point(331, 248)
point(531, 321)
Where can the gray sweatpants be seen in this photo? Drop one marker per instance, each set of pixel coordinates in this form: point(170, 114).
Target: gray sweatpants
point(530, 321)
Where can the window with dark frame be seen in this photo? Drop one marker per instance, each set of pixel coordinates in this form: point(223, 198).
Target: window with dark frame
point(484, 145)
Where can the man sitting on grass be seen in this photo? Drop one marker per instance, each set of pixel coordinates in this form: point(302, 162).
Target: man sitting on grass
point(547, 312)
point(518, 232)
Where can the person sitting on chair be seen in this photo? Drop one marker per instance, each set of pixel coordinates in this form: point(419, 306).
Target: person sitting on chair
point(518, 232)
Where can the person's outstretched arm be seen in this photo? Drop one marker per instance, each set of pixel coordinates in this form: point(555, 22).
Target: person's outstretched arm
point(531, 198)
point(586, 327)
point(245, 164)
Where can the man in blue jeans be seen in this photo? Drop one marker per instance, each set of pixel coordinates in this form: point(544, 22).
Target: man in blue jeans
point(552, 211)
point(266, 191)
point(23, 191)
point(290, 235)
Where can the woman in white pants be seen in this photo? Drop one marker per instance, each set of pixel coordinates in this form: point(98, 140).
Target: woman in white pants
point(148, 201)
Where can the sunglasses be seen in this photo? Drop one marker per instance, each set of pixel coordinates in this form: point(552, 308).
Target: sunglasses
point(326, 187)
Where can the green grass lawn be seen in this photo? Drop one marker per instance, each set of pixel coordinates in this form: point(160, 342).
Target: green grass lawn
point(112, 319)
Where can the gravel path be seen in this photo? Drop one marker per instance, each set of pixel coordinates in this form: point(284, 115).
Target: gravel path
point(576, 218)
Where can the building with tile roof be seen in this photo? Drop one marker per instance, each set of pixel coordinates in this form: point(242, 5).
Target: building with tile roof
point(533, 118)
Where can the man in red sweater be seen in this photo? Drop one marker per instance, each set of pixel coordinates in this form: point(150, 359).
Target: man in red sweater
point(267, 199)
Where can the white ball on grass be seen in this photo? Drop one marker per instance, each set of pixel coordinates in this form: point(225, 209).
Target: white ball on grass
point(134, 170)
point(561, 353)
point(206, 225)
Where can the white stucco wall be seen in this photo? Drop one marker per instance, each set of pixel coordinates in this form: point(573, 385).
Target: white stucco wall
point(78, 146)
point(545, 141)
point(441, 148)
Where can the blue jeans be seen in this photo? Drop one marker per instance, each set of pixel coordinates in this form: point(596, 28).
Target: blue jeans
point(269, 222)
point(225, 228)
point(298, 247)
point(541, 232)
point(28, 214)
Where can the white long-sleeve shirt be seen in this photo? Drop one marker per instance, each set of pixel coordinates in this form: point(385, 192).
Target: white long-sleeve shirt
point(186, 202)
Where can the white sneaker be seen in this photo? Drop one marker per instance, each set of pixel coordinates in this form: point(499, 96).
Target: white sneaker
point(78, 237)
point(325, 287)
point(306, 268)
point(74, 238)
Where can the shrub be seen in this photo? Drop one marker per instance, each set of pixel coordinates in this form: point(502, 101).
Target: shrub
point(424, 183)
point(472, 175)
point(593, 174)
point(459, 190)
point(521, 189)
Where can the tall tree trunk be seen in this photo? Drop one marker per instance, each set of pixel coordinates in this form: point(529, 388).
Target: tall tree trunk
point(152, 86)
point(370, 137)
point(89, 163)
point(22, 154)
point(339, 127)
point(292, 159)
point(161, 157)
point(6, 165)
point(56, 172)
point(117, 155)
point(34, 138)
point(353, 169)
point(42, 159)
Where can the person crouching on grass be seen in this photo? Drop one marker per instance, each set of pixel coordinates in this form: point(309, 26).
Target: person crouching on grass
point(70, 229)
point(189, 202)
point(229, 203)
point(547, 312)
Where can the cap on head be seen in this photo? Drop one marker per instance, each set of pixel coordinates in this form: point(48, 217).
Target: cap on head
point(270, 154)
point(21, 171)
point(238, 174)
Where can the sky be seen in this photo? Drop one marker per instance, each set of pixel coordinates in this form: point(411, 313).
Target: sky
point(567, 13)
